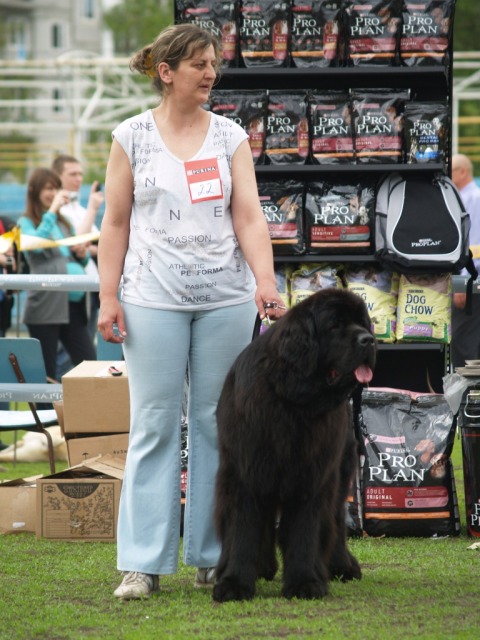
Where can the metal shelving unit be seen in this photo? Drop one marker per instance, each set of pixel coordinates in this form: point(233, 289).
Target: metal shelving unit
point(415, 366)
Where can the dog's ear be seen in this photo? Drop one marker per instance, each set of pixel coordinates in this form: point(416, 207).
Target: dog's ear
point(298, 347)
point(295, 353)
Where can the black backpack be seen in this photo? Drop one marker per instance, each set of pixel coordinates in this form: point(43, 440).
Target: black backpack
point(421, 226)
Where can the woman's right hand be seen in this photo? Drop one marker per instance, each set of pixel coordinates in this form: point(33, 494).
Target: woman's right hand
point(111, 322)
point(61, 197)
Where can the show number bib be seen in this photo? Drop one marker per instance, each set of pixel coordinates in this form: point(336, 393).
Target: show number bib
point(203, 179)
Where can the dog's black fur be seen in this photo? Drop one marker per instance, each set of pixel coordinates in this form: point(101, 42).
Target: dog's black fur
point(287, 447)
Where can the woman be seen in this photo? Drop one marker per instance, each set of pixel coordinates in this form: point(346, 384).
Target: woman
point(184, 227)
point(53, 316)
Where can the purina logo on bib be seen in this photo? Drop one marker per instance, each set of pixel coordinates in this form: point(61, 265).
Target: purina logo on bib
point(203, 179)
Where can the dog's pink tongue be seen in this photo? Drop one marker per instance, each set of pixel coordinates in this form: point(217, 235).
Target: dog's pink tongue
point(363, 373)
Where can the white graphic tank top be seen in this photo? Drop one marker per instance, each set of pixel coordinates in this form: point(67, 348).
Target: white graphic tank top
point(183, 252)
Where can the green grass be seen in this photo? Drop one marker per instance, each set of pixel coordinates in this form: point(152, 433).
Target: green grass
point(411, 588)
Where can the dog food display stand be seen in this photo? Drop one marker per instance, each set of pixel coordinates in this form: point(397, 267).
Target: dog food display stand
point(416, 366)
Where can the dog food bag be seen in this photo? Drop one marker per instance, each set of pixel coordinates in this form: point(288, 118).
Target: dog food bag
point(426, 32)
point(339, 217)
point(310, 277)
point(264, 33)
point(424, 308)
point(331, 135)
point(282, 206)
point(469, 422)
point(408, 483)
point(378, 124)
point(426, 132)
point(288, 139)
point(372, 31)
point(353, 508)
point(249, 110)
point(314, 37)
point(283, 274)
point(379, 289)
point(220, 18)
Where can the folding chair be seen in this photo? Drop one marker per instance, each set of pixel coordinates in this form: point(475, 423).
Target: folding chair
point(23, 377)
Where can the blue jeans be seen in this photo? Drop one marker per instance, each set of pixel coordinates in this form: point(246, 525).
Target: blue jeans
point(157, 350)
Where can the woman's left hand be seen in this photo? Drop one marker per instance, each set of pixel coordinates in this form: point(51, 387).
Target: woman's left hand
point(269, 302)
point(80, 250)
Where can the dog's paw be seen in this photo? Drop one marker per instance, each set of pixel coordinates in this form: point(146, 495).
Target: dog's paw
point(309, 590)
point(348, 570)
point(227, 589)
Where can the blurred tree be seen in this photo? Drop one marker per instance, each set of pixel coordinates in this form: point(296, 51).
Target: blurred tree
point(135, 23)
point(467, 25)
point(466, 39)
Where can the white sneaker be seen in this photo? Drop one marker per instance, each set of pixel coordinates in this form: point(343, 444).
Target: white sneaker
point(136, 585)
point(205, 577)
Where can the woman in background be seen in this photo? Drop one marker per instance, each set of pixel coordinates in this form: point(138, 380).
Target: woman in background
point(54, 316)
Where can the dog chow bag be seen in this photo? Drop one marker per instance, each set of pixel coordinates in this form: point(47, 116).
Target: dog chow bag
point(310, 277)
point(424, 308)
point(408, 485)
point(379, 289)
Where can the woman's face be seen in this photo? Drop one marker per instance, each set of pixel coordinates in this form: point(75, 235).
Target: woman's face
point(47, 195)
point(194, 77)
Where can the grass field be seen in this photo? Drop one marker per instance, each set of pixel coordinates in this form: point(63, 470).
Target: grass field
point(411, 588)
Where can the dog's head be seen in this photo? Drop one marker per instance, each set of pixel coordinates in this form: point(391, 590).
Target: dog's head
point(325, 343)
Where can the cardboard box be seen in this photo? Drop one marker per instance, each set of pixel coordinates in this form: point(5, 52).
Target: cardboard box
point(58, 406)
point(94, 401)
point(81, 503)
point(18, 504)
point(82, 448)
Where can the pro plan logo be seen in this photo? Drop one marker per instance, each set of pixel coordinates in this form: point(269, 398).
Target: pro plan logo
point(424, 243)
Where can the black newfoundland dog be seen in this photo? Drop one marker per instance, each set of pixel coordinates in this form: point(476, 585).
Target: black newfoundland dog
point(287, 450)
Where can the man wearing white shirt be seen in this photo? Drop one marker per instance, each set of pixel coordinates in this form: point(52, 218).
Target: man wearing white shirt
point(466, 328)
point(83, 219)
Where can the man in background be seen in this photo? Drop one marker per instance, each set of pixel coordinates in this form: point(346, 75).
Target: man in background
point(83, 219)
point(466, 328)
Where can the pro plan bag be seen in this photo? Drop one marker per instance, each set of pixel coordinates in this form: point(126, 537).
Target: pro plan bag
point(421, 226)
point(408, 484)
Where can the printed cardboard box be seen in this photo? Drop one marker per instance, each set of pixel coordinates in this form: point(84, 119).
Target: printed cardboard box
point(18, 504)
point(82, 448)
point(81, 503)
point(94, 401)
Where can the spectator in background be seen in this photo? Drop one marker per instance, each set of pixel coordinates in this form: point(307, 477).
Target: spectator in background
point(466, 328)
point(7, 265)
point(82, 219)
point(54, 316)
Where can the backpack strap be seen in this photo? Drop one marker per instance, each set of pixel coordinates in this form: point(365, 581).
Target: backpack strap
point(472, 270)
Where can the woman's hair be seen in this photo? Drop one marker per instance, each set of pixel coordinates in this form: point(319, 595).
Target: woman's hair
point(39, 179)
point(173, 44)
